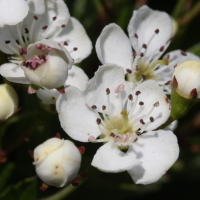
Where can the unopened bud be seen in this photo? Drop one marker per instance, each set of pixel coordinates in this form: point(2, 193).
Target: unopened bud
point(8, 101)
point(57, 161)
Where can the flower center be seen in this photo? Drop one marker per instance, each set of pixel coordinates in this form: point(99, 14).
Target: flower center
point(125, 128)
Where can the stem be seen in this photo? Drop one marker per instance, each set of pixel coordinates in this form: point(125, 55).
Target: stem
point(190, 15)
point(62, 194)
point(178, 9)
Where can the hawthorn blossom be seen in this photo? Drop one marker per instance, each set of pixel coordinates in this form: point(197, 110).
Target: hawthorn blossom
point(57, 161)
point(43, 46)
point(150, 34)
point(109, 111)
point(8, 101)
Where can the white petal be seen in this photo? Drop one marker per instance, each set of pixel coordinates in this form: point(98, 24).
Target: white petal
point(48, 96)
point(13, 73)
point(144, 22)
point(113, 46)
point(109, 158)
point(172, 126)
point(76, 37)
point(76, 118)
point(175, 57)
point(12, 12)
point(37, 7)
point(157, 151)
point(107, 76)
point(77, 78)
point(150, 94)
point(52, 9)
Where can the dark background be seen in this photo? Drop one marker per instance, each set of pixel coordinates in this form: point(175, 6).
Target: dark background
point(33, 125)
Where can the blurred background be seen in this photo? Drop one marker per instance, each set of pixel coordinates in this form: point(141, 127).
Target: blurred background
point(32, 125)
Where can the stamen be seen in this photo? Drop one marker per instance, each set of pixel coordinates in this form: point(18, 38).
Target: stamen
point(104, 114)
point(130, 98)
point(144, 46)
point(112, 135)
point(142, 122)
point(119, 88)
point(92, 139)
point(129, 71)
point(151, 119)
point(183, 53)
point(19, 35)
point(48, 28)
point(134, 54)
point(137, 49)
point(11, 47)
point(65, 43)
point(156, 104)
point(58, 33)
point(98, 121)
point(75, 48)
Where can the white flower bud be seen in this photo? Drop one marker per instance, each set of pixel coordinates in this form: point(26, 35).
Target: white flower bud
point(186, 79)
point(57, 161)
point(47, 64)
point(8, 101)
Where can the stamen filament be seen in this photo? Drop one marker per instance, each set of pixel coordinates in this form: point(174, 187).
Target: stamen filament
point(20, 36)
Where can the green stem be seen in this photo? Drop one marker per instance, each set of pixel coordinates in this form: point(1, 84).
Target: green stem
point(168, 122)
point(178, 9)
point(190, 15)
point(62, 194)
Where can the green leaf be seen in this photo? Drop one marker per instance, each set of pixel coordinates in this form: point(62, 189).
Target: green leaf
point(195, 49)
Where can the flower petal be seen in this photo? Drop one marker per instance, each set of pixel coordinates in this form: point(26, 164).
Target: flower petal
point(157, 151)
point(76, 118)
point(109, 158)
point(77, 78)
point(113, 46)
point(13, 73)
point(12, 12)
point(172, 126)
point(107, 76)
point(76, 37)
point(144, 22)
point(150, 94)
point(37, 7)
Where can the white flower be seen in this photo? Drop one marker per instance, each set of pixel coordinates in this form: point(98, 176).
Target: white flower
point(150, 34)
point(12, 12)
point(44, 46)
point(8, 101)
point(76, 78)
point(172, 126)
point(186, 79)
point(129, 118)
point(57, 161)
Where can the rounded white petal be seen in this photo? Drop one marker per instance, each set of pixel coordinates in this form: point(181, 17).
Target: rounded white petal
point(76, 37)
point(107, 76)
point(8, 101)
point(150, 94)
point(37, 7)
point(187, 75)
point(48, 97)
point(157, 151)
point(57, 161)
point(172, 126)
point(113, 46)
point(12, 12)
point(109, 158)
point(77, 78)
point(76, 118)
point(13, 73)
point(144, 22)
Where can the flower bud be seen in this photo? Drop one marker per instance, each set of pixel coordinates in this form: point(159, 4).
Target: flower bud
point(186, 79)
point(47, 64)
point(8, 101)
point(185, 88)
point(57, 161)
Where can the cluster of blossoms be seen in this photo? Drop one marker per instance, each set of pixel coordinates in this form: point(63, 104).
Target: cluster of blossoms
point(122, 106)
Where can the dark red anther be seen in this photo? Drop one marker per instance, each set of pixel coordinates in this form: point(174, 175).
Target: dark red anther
point(81, 150)
point(144, 46)
point(35, 17)
point(137, 93)
point(31, 154)
point(43, 187)
point(136, 35)
point(44, 27)
point(129, 71)
point(26, 31)
point(175, 66)
point(168, 82)
point(175, 82)
point(98, 121)
point(75, 48)
point(141, 103)
point(130, 97)
point(75, 182)
point(107, 91)
point(157, 31)
point(161, 49)
point(58, 136)
point(183, 53)
point(142, 122)
point(112, 135)
point(63, 26)
point(151, 119)
point(143, 76)
point(17, 41)
point(7, 41)
point(94, 107)
point(142, 54)
point(103, 107)
point(65, 43)
point(134, 54)
point(54, 18)
point(193, 93)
